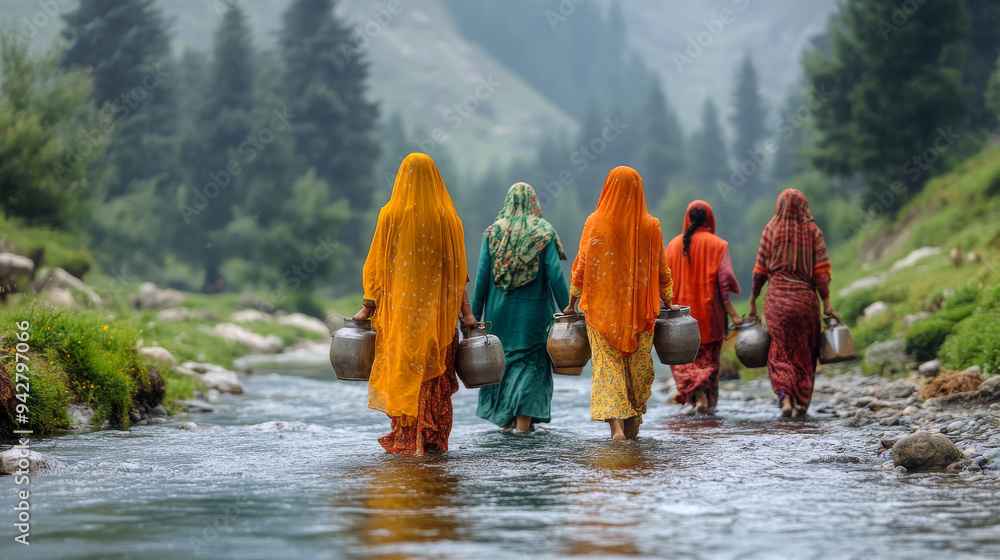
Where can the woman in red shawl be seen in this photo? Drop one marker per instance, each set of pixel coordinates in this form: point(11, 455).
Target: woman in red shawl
point(792, 257)
point(703, 280)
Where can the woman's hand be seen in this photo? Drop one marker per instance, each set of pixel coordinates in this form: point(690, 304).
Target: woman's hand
point(669, 305)
point(752, 313)
point(829, 312)
point(571, 308)
point(365, 313)
point(737, 320)
point(469, 322)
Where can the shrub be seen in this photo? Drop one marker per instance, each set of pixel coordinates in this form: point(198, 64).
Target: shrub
point(975, 341)
point(924, 339)
point(77, 357)
point(870, 331)
point(956, 314)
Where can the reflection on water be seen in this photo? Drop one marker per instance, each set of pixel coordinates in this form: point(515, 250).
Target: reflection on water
point(404, 501)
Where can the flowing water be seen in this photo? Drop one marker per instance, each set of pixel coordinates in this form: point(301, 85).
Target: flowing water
point(292, 470)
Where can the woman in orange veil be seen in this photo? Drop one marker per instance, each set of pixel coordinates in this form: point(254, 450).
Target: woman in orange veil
point(414, 280)
point(620, 277)
point(703, 280)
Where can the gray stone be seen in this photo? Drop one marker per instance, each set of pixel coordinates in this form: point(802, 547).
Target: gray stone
point(59, 278)
point(930, 369)
point(914, 318)
point(213, 376)
point(887, 357)
point(992, 454)
point(158, 410)
point(195, 405)
point(159, 356)
point(958, 426)
point(876, 309)
point(924, 451)
point(252, 341)
point(23, 459)
point(190, 426)
point(151, 297)
point(14, 267)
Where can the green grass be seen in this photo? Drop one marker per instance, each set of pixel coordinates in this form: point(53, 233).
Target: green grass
point(73, 358)
point(57, 248)
point(960, 208)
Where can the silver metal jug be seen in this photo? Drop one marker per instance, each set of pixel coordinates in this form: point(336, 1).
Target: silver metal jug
point(836, 343)
point(567, 344)
point(352, 351)
point(676, 336)
point(480, 360)
point(753, 342)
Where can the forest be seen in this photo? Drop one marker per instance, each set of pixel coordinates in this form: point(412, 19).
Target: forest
point(254, 168)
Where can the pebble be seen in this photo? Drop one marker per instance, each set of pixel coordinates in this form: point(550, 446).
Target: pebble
point(157, 420)
point(188, 426)
point(956, 427)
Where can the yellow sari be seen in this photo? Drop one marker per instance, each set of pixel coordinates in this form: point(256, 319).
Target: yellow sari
point(416, 274)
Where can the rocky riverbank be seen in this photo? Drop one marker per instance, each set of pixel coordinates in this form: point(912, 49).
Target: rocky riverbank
point(965, 426)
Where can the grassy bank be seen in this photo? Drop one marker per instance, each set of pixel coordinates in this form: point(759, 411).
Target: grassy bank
point(939, 308)
point(71, 358)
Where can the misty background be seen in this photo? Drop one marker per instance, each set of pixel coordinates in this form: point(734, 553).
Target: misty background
point(247, 146)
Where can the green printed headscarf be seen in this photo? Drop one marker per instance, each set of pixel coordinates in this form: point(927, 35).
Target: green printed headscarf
point(517, 238)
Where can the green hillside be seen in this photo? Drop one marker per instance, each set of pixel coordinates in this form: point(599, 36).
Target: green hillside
point(933, 300)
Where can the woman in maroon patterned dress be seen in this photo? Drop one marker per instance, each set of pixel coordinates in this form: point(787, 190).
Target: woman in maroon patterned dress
point(792, 258)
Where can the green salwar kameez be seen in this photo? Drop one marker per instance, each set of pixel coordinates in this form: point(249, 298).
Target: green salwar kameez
point(520, 319)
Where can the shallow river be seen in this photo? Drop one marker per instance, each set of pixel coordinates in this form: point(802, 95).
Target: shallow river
point(740, 485)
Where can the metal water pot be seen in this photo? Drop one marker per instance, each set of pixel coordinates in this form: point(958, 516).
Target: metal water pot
point(676, 336)
point(753, 342)
point(836, 343)
point(352, 351)
point(567, 344)
point(480, 360)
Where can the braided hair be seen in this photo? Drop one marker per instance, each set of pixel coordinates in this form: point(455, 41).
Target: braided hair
point(698, 217)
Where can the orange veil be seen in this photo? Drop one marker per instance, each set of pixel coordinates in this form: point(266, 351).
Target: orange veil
point(619, 262)
point(415, 273)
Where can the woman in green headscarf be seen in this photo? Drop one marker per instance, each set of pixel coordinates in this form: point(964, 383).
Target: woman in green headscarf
point(519, 286)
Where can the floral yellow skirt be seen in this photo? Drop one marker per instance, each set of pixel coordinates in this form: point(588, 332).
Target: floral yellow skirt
point(622, 385)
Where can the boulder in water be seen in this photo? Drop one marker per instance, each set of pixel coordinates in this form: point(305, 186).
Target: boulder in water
point(23, 459)
point(213, 376)
point(924, 450)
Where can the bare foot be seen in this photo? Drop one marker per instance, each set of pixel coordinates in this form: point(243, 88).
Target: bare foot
point(523, 424)
point(702, 402)
point(617, 432)
point(786, 406)
point(630, 427)
point(798, 412)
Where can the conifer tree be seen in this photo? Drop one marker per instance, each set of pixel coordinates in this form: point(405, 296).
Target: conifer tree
point(709, 153)
point(661, 156)
point(749, 116)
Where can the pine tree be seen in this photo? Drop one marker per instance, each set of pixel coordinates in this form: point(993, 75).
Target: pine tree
point(892, 88)
point(127, 44)
point(661, 156)
point(982, 47)
point(710, 156)
point(749, 116)
point(226, 123)
point(325, 84)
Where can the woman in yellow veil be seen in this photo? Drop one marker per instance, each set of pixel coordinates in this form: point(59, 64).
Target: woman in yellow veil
point(414, 280)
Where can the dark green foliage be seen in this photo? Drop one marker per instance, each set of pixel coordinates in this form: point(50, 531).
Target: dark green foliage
point(51, 139)
point(662, 153)
point(893, 86)
point(924, 339)
point(749, 114)
point(126, 43)
point(325, 87)
point(992, 98)
point(982, 47)
point(709, 153)
point(975, 341)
